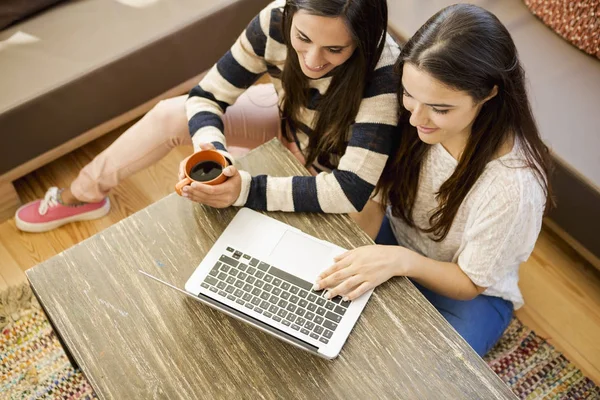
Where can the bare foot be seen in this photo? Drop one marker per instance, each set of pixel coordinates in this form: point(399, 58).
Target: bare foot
point(68, 199)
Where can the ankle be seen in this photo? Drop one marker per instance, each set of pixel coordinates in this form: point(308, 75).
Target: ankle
point(66, 198)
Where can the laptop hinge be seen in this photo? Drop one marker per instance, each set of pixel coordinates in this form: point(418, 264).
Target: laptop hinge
point(286, 337)
point(257, 323)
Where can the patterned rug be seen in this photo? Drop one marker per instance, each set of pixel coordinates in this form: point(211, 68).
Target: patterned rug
point(534, 369)
point(33, 365)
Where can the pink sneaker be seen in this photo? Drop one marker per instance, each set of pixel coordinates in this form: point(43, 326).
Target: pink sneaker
point(47, 214)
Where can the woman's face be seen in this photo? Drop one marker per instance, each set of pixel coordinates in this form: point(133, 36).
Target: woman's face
point(440, 114)
point(322, 43)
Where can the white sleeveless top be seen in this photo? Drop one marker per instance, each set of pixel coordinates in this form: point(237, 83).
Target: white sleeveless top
point(495, 228)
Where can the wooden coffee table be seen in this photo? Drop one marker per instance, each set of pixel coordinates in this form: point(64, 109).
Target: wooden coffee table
point(137, 339)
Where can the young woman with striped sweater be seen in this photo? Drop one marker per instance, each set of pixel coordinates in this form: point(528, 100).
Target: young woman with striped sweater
point(331, 102)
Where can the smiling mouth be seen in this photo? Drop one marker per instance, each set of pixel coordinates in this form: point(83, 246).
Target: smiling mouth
point(426, 129)
point(315, 69)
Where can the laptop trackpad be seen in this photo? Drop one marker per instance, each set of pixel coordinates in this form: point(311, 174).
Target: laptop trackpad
point(302, 256)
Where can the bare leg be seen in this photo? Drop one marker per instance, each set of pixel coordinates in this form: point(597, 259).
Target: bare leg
point(146, 142)
point(67, 197)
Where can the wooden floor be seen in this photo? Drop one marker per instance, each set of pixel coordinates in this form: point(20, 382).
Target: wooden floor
point(562, 291)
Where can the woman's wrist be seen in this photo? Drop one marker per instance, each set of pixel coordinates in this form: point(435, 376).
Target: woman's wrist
point(401, 259)
point(406, 262)
point(245, 189)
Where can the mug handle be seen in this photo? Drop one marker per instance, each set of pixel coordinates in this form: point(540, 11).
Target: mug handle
point(184, 182)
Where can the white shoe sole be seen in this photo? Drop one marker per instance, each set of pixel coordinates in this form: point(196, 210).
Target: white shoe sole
point(48, 226)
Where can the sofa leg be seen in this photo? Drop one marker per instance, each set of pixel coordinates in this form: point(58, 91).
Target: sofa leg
point(9, 201)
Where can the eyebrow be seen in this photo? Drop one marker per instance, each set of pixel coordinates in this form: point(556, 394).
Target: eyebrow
point(306, 36)
point(427, 104)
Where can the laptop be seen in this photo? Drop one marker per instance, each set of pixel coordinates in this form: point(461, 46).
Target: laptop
point(261, 271)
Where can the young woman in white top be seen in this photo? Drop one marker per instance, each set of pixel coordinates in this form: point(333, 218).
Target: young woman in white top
point(467, 186)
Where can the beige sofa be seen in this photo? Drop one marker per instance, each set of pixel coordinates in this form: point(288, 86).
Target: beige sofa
point(82, 68)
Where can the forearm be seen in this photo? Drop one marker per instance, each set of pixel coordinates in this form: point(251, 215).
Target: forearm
point(322, 194)
point(444, 278)
point(370, 218)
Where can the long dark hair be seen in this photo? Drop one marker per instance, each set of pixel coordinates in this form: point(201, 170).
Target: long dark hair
point(367, 23)
point(468, 49)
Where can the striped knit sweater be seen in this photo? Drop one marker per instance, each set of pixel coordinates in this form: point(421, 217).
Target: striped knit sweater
point(348, 183)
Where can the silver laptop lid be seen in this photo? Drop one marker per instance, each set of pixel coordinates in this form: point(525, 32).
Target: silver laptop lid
point(277, 264)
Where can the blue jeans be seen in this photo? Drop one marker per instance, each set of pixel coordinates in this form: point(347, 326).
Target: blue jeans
point(480, 321)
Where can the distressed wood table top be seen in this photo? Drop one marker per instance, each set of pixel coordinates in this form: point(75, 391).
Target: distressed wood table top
point(137, 339)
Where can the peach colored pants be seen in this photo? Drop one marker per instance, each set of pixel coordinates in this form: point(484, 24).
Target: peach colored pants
point(250, 122)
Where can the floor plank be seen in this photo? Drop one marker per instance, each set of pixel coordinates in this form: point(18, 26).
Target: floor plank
point(561, 290)
point(562, 302)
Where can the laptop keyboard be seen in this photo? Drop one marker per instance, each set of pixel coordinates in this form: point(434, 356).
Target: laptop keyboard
point(276, 294)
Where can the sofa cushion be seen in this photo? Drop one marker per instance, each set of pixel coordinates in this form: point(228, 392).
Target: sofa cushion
point(15, 10)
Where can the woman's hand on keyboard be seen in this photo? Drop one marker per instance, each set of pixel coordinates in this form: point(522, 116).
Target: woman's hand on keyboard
point(359, 270)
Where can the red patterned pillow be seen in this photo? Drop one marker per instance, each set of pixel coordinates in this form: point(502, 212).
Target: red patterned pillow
point(576, 21)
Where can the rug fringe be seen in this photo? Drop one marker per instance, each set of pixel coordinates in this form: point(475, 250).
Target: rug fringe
point(15, 300)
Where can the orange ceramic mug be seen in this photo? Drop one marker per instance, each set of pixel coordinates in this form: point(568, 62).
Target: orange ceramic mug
point(204, 166)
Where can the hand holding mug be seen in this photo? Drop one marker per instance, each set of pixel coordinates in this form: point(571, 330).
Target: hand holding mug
point(205, 177)
point(204, 146)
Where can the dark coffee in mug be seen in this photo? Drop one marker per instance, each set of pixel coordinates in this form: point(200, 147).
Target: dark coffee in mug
point(205, 171)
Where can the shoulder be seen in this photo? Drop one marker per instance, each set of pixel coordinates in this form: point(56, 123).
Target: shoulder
point(384, 80)
point(380, 103)
point(267, 27)
point(270, 20)
point(389, 55)
point(273, 9)
point(511, 184)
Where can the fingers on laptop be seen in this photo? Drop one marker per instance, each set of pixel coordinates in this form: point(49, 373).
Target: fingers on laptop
point(334, 275)
point(341, 279)
point(341, 262)
point(357, 292)
point(345, 288)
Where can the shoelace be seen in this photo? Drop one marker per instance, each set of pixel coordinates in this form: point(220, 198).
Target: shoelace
point(50, 200)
